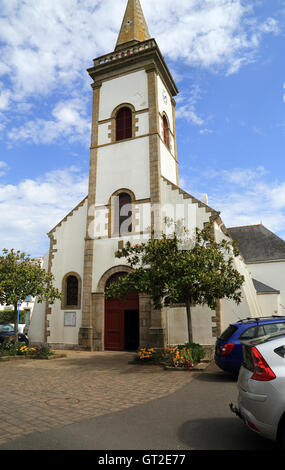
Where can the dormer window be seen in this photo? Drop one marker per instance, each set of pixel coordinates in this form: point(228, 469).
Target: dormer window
point(123, 124)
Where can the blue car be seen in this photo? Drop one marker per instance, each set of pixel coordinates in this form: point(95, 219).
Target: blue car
point(7, 331)
point(228, 351)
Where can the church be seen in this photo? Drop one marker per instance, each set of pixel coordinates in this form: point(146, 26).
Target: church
point(133, 187)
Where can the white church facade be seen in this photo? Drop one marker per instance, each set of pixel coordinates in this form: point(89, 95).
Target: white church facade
point(133, 186)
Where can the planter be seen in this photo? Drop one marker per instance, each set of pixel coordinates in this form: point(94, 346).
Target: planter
point(198, 367)
point(21, 358)
point(137, 363)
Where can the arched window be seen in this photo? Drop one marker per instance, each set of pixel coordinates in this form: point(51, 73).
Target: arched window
point(165, 131)
point(124, 124)
point(123, 214)
point(71, 291)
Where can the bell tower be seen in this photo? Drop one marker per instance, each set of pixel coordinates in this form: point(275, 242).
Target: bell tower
point(133, 145)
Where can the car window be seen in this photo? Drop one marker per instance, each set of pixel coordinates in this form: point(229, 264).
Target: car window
point(260, 331)
point(272, 328)
point(249, 333)
point(225, 336)
point(6, 329)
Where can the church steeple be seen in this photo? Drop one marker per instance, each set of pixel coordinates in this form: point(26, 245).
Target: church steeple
point(134, 28)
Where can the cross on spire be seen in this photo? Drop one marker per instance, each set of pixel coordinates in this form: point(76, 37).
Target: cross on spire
point(134, 28)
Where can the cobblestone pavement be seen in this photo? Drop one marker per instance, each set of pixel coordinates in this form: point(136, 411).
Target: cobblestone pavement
point(38, 395)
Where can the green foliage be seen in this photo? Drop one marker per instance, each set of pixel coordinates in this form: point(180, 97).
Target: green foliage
point(8, 316)
point(8, 348)
point(181, 356)
point(199, 275)
point(21, 276)
point(148, 354)
point(197, 351)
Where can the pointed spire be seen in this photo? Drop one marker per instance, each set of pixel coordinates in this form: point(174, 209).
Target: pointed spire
point(134, 27)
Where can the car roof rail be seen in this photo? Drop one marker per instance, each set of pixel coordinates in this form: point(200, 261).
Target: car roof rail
point(257, 319)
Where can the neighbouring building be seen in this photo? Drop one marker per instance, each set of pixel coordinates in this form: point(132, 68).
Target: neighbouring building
point(27, 306)
point(264, 254)
point(133, 186)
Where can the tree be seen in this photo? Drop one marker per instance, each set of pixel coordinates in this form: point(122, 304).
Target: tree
point(21, 276)
point(170, 274)
point(8, 316)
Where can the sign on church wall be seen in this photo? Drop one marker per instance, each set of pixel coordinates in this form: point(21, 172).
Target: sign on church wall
point(69, 318)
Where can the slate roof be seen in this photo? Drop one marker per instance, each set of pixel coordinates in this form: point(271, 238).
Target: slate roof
point(263, 288)
point(257, 243)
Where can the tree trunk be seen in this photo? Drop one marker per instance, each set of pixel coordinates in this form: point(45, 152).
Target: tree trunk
point(189, 322)
point(16, 324)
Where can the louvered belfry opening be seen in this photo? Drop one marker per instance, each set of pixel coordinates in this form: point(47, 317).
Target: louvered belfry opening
point(124, 124)
point(165, 131)
point(123, 214)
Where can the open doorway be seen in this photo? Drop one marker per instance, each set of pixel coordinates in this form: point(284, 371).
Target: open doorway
point(132, 330)
point(122, 322)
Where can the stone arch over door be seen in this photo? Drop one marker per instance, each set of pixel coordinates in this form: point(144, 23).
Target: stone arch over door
point(98, 301)
point(106, 276)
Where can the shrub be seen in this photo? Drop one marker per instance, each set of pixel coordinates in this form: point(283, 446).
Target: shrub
point(7, 348)
point(179, 357)
point(183, 355)
point(197, 351)
point(149, 355)
point(7, 316)
point(44, 350)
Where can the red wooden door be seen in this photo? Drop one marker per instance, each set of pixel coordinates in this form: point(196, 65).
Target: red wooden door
point(114, 321)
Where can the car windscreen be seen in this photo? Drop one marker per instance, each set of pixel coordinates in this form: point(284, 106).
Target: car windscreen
point(6, 329)
point(225, 336)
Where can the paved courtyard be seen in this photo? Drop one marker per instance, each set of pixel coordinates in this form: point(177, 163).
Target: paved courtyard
point(40, 395)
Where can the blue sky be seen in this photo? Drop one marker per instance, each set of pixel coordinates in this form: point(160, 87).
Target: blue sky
point(227, 57)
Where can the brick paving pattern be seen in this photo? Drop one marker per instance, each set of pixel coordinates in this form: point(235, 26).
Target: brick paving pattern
point(38, 395)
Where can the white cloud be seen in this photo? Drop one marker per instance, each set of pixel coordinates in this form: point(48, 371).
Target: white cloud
point(5, 96)
point(243, 177)
point(260, 203)
point(209, 33)
point(245, 198)
point(68, 120)
point(48, 44)
point(187, 110)
point(3, 166)
point(31, 208)
point(206, 131)
point(269, 26)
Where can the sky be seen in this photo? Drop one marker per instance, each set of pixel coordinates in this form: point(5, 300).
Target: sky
point(227, 57)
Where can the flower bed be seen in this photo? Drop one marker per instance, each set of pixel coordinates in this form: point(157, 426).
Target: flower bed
point(9, 349)
point(185, 356)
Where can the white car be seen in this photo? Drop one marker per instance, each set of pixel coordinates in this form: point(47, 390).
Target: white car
point(261, 386)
